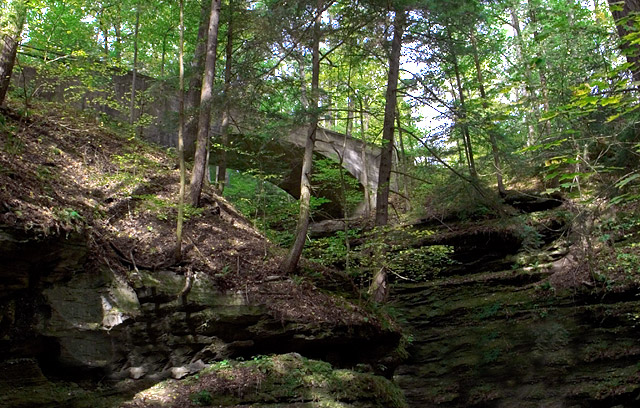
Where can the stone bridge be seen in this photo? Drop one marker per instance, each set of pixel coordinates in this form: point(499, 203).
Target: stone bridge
point(281, 155)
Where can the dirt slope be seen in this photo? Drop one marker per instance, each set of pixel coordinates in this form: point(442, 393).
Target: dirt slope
point(64, 172)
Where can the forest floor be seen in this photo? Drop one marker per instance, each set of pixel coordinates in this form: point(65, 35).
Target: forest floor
point(64, 173)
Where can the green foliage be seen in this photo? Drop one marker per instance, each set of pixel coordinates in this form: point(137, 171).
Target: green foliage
point(416, 264)
point(293, 378)
point(330, 174)
point(453, 199)
point(203, 398)
point(270, 208)
point(164, 209)
point(488, 311)
point(331, 250)
point(628, 261)
point(421, 264)
point(69, 218)
point(531, 238)
point(13, 144)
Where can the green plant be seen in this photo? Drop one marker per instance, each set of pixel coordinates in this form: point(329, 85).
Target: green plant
point(488, 311)
point(203, 398)
point(421, 264)
point(271, 209)
point(546, 286)
point(531, 238)
point(12, 144)
point(331, 250)
point(44, 173)
point(69, 217)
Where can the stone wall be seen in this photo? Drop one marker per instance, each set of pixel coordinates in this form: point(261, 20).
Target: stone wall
point(110, 95)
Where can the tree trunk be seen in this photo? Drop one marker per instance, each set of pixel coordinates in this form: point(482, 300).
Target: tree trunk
point(364, 127)
point(104, 28)
point(343, 184)
point(621, 11)
point(9, 46)
point(544, 90)
point(530, 119)
point(183, 181)
point(221, 175)
point(164, 51)
point(118, 46)
point(379, 288)
point(386, 155)
point(135, 67)
point(462, 114)
point(485, 104)
point(304, 99)
point(290, 263)
point(192, 103)
point(403, 163)
point(204, 118)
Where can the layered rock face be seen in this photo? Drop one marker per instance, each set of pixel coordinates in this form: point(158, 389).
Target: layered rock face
point(507, 338)
point(61, 320)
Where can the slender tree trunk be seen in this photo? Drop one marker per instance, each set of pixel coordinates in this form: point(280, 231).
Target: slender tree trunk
point(621, 10)
point(132, 110)
point(462, 114)
point(460, 154)
point(402, 162)
point(9, 46)
point(530, 118)
point(343, 184)
point(365, 163)
point(118, 46)
point(164, 51)
point(304, 99)
point(290, 263)
point(485, 104)
point(183, 177)
point(379, 288)
point(204, 118)
point(221, 175)
point(384, 178)
point(192, 103)
point(542, 72)
point(104, 28)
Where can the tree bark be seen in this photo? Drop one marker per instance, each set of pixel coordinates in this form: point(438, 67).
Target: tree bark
point(9, 46)
point(290, 262)
point(379, 286)
point(221, 175)
point(542, 72)
point(530, 118)
point(462, 114)
point(183, 181)
point(485, 104)
point(386, 155)
point(403, 163)
point(192, 103)
point(364, 127)
point(118, 46)
point(135, 67)
point(623, 13)
point(204, 118)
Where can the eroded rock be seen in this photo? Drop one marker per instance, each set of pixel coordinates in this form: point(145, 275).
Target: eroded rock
point(69, 319)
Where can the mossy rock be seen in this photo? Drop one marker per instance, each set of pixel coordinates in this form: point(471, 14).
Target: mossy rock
point(288, 380)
